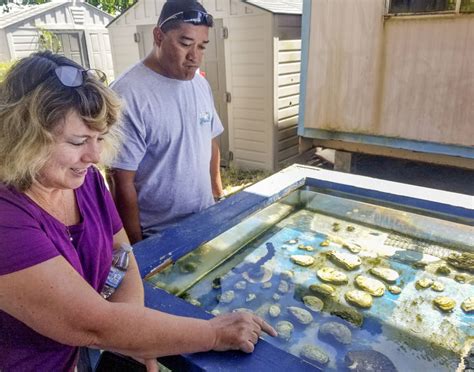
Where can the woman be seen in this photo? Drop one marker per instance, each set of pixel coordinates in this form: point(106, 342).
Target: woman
point(58, 226)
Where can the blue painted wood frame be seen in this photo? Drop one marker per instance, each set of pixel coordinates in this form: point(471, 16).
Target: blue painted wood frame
point(202, 227)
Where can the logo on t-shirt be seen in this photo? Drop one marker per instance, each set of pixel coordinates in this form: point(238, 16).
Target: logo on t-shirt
point(204, 118)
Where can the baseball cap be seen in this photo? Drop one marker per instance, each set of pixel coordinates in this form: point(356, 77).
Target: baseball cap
point(187, 11)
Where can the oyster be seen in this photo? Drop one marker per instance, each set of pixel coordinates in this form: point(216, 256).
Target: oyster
point(444, 303)
point(292, 241)
point(423, 283)
point(350, 228)
point(227, 297)
point(274, 311)
point(314, 354)
point(394, 289)
point(240, 285)
point(461, 278)
point(468, 305)
point(287, 275)
point(276, 297)
point(283, 287)
point(323, 289)
point(337, 332)
point(443, 270)
point(302, 260)
point(359, 298)
point(437, 286)
point(301, 315)
point(354, 248)
point(215, 312)
point(384, 273)
point(305, 248)
point(250, 297)
point(324, 243)
point(284, 329)
point(313, 303)
point(328, 274)
point(350, 315)
point(373, 286)
point(336, 228)
point(462, 261)
point(346, 260)
point(266, 285)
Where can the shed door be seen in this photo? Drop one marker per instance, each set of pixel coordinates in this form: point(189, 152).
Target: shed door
point(214, 68)
point(73, 46)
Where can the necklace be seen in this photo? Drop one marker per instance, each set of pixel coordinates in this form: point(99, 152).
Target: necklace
point(65, 217)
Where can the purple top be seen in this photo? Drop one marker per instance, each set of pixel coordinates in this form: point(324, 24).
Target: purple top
point(29, 236)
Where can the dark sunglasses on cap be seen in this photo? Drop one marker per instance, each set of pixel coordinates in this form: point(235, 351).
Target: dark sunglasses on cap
point(73, 77)
point(196, 17)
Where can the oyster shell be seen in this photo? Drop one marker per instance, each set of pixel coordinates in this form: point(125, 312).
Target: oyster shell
point(461, 278)
point(437, 286)
point(394, 289)
point(266, 285)
point(250, 297)
point(215, 312)
point(423, 283)
point(274, 311)
point(314, 354)
point(349, 314)
point(276, 297)
point(468, 305)
point(287, 275)
point(292, 241)
point(227, 297)
point(346, 260)
point(443, 270)
point(373, 286)
point(324, 243)
point(240, 285)
point(328, 274)
point(384, 273)
point(305, 248)
point(284, 329)
point(323, 289)
point(302, 260)
point(313, 303)
point(462, 261)
point(337, 332)
point(301, 315)
point(359, 298)
point(283, 287)
point(350, 228)
point(354, 248)
point(444, 303)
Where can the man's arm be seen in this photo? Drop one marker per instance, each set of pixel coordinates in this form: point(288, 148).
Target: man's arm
point(216, 180)
point(123, 190)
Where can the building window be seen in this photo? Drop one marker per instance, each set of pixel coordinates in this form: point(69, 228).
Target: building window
point(430, 6)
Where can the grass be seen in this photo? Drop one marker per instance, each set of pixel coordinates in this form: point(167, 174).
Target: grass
point(235, 179)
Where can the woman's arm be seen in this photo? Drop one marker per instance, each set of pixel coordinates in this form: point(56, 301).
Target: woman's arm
point(131, 288)
point(54, 300)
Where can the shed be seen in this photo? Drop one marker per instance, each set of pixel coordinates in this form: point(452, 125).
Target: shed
point(252, 65)
point(79, 26)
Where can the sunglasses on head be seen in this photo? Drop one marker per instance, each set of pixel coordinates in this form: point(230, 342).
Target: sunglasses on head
point(196, 17)
point(73, 77)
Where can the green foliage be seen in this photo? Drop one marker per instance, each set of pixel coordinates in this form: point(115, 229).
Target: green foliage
point(235, 179)
point(110, 6)
point(48, 40)
point(4, 67)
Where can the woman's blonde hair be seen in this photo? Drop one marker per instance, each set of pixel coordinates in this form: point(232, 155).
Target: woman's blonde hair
point(34, 103)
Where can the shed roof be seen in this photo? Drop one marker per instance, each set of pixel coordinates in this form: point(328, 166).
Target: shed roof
point(279, 6)
point(20, 14)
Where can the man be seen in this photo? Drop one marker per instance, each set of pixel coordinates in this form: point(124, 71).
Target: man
point(168, 167)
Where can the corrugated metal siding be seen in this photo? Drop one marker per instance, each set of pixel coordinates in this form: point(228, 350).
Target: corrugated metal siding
point(408, 78)
point(288, 70)
point(250, 77)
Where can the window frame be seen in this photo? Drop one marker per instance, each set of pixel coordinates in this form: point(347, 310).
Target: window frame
point(456, 10)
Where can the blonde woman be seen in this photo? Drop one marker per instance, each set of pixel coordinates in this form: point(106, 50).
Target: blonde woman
point(59, 226)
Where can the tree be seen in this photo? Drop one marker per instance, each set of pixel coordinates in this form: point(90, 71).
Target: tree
point(110, 6)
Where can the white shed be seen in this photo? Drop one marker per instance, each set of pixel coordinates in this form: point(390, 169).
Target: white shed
point(79, 26)
point(252, 65)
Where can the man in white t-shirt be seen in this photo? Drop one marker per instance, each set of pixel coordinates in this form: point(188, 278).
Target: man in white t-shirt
point(168, 166)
